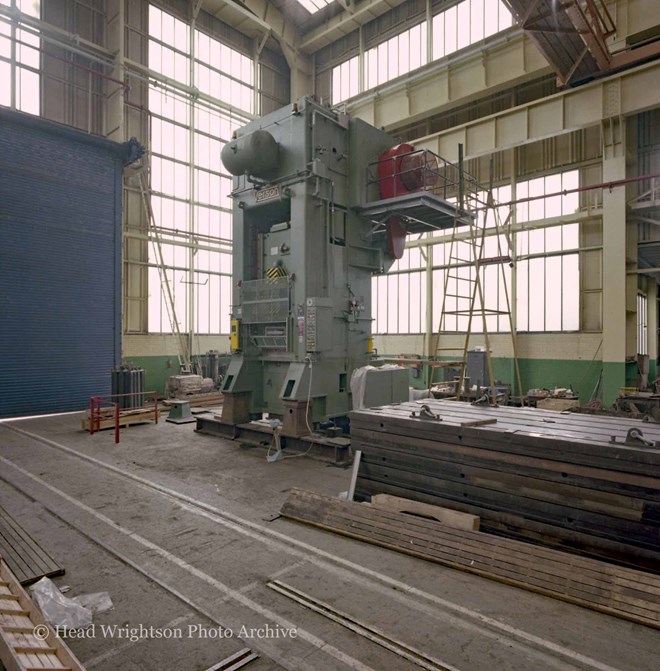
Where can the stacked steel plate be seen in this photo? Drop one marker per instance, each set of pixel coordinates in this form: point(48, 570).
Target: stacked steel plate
point(586, 483)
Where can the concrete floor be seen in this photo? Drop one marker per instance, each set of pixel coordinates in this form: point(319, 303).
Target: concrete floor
point(178, 527)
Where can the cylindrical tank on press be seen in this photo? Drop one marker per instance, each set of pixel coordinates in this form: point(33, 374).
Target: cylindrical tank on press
point(255, 154)
point(128, 388)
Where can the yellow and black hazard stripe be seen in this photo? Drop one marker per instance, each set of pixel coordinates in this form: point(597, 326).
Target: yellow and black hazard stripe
point(275, 272)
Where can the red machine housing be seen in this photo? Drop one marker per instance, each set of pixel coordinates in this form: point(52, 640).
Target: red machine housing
point(402, 169)
point(390, 172)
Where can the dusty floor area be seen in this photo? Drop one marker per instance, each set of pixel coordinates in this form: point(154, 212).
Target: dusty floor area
point(182, 530)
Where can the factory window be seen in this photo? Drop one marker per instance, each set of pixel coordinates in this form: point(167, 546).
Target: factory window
point(547, 271)
point(189, 188)
point(548, 280)
point(395, 57)
point(468, 22)
point(554, 203)
point(345, 80)
point(224, 73)
point(19, 68)
point(463, 24)
point(549, 286)
point(399, 298)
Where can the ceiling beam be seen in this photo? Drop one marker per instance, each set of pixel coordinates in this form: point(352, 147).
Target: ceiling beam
point(635, 91)
point(259, 19)
point(345, 23)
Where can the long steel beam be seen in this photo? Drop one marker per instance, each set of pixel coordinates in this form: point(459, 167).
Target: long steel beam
point(503, 61)
point(620, 95)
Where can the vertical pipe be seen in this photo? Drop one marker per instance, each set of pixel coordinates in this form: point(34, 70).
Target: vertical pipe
point(461, 179)
point(89, 102)
point(429, 32)
point(256, 98)
point(126, 386)
point(513, 251)
point(429, 305)
point(361, 63)
point(116, 423)
point(91, 416)
point(132, 398)
point(191, 196)
point(156, 406)
point(13, 78)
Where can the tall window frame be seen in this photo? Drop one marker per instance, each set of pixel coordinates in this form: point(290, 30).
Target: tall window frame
point(547, 270)
point(20, 59)
point(189, 187)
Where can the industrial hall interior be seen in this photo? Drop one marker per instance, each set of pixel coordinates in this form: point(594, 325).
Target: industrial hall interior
point(329, 335)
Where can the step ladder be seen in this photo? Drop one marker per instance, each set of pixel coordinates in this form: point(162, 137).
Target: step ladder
point(27, 643)
point(464, 298)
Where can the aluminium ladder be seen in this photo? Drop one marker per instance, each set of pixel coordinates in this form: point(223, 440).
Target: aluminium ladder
point(464, 296)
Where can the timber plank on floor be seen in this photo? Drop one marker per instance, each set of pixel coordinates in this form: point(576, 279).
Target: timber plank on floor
point(618, 591)
point(27, 560)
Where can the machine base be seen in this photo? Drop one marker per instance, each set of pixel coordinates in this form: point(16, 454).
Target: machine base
point(334, 450)
point(236, 407)
point(295, 420)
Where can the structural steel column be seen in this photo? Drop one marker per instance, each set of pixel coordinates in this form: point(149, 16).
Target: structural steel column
point(114, 103)
point(430, 352)
point(652, 325)
point(614, 259)
point(119, 123)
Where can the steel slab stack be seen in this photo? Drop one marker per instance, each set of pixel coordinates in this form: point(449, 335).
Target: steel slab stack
point(548, 477)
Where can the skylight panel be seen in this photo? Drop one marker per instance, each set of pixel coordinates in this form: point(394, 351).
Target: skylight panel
point(313, 6)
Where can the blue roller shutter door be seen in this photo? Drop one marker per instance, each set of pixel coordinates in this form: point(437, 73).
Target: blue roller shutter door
point(60, 265)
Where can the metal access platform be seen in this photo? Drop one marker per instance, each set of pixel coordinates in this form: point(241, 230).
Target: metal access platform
point(422, 189)
point(422, 211)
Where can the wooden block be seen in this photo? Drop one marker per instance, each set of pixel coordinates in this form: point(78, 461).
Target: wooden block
point(479, 422)
point(447, 516)
point(558, 403)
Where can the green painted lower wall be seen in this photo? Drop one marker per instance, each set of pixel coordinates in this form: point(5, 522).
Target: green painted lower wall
point(582, 376)
point(615, 376)
point(535, 374)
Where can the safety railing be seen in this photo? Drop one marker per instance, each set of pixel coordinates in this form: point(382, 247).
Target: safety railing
point(105, 412)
